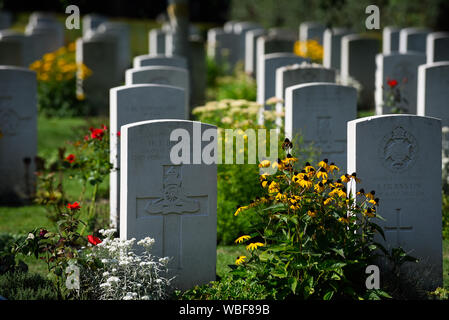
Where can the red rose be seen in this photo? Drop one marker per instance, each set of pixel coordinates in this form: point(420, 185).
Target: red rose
point(392, 83)
point(118, 134)
point(70, 158)
point(96, 133)
point(94, 240)
point(74, 206)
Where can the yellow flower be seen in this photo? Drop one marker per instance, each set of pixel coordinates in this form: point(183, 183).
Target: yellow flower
point(240, 260)
point(370, 195)
point(333, 167)
point(289, 159)
point(308, 167)
point(369, 213)
point(344, 220)
point(242, 238)
point(323, 163)
point(311, 214)
point(322, 173)
point(281, 197)
point(253, 246)
point(240, 209)
point(375, 202)
point(354, 177)
point(304, 181)
point(327, 201)
point(274, 187)
point(345, 178)
point(319, 187)
point(264, 164)
point(80, 96)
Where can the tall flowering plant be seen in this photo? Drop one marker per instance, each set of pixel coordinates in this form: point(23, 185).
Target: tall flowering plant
point(56, 75)
point(312, 238)
point(394, 99)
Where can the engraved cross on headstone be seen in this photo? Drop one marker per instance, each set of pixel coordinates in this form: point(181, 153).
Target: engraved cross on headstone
point(173, 205)
point(398, 227)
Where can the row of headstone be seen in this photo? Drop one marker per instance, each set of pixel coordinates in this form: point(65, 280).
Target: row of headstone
point(43, 34)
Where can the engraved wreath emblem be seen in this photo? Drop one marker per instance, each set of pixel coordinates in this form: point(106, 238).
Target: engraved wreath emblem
point(398, 150)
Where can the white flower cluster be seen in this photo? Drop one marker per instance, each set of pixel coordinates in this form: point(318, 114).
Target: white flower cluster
point(126, 274)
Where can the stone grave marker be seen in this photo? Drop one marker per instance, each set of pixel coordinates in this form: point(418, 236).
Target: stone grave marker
point(134, 103)
point(402, 67)
point(250, 50)
point(358, 54)
point(390, 39)
point(437, 47)
point(121, 31)
point(332, 47)
point(433, 93)
point(18, 131)
point(166, 200)
point(291, 75)
point(319, 113)
point(156, 42)
point(5, 19)
point(91, 22)
point(171, 76)
point(399, 157)
point(147, 60)
point(413, 39)
point(100, 55)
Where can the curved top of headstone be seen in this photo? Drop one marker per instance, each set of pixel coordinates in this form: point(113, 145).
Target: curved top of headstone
point(159, 60)
point(312, 85)
point(412, 117)
point(246, 26)
point(282, 55)
point(358, 37)
point(403, 54)
point(16, 69)
point(11, 34)
point(146, 86)
point(414, 30)
point(182, 123)
point(338, 31)
point(391, 29)
point(439, 34)
point(437, 64)
point(156, 68)
point(112, 26)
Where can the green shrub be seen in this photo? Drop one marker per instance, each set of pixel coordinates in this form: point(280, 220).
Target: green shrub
point(25, 286)
point(445, 212)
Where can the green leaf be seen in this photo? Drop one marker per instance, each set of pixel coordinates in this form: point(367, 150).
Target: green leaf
point(293, 284)
point(328, 295)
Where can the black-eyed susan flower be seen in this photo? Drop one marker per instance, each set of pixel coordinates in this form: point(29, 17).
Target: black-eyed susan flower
point(369, 212)
point(375, 201)
point(311, 213)
point(327, 201)
point(264, 164)
point(370, 195)
point(319, 187)
point(287, 144)
point(308, 167)
point(289, 159)
point(344, 220)
point(279, 165)
point(323, 163)
point(354, 177)
point(240, 209)
point(322, 173)
point(345, 178)
point(361, 192)
point(281, 197)
point(242, 238)
point(274, 187)
point(240, 260)
point(311, 172)
point(333, 167)
point(253, 246)
point(304, 181)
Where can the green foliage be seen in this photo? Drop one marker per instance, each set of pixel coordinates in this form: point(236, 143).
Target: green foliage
point(227, 288)
point(25, 286)
point(283, 13)
point(445, 216)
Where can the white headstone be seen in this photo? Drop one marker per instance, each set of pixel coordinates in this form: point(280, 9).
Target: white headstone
point(241, 29)
point(251, 50)
point(437, 48)
point(147, 60)
point(318, 112)
point(390, 40)
point(156, 42)
point(167, 201)
point(272, 43)
point(358, 54)
point(171, 76)
point(102, 58)
point(413, 39)
point(223, 47)
point(91, 22)
point(404, 69)
point(135, 103)
point(399, 157)
point(266, 75)
point(433, 93)
point(332, 47)
point(292, 75)
point(121, 31)
point(311, 31)
point(18, 127)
